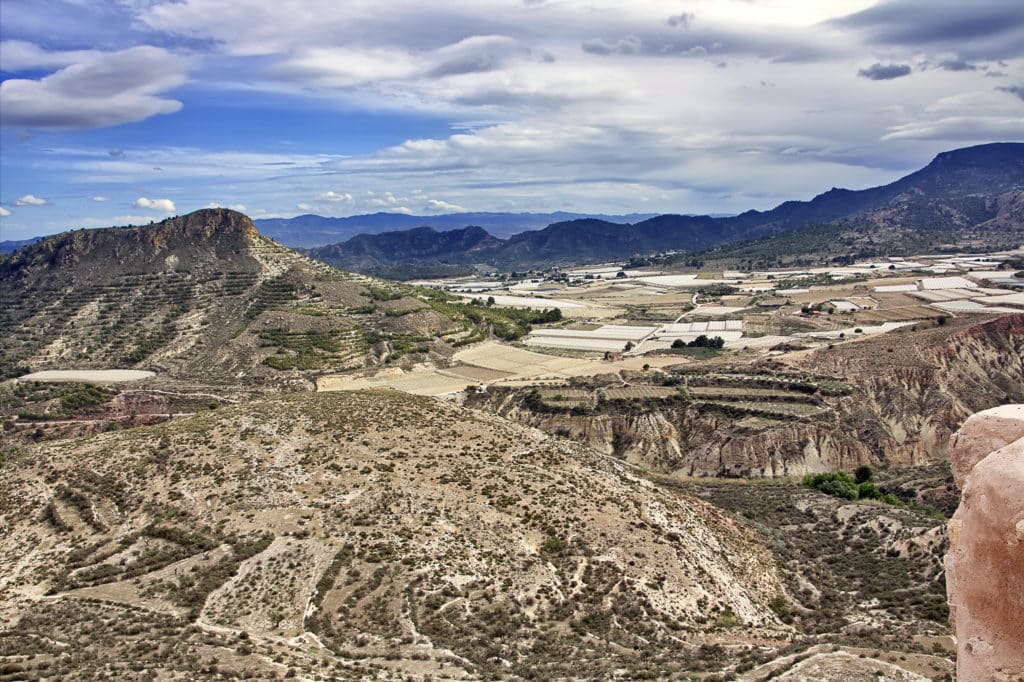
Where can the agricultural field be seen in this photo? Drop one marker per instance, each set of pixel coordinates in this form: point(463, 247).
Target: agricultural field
point(770, 408)
point(725, 392)
point(612, 323)
point(640, 392)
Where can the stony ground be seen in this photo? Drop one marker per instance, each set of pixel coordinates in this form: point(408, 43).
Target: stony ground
point(363, 535)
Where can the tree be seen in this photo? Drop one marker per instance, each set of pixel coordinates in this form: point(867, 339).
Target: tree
point(863, 474)
point(679, 343)
point(868, 491)
point(490, 300)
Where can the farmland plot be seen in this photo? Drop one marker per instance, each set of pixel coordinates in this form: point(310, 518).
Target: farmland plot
point(784, 410)
point(727, 392)
point(640, 392)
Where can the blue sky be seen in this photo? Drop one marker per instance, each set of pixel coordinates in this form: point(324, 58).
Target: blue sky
point(125, 111)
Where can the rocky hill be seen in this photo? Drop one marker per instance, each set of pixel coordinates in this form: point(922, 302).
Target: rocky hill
point(206, 296)
point(891, 401)
point(365, 535)
point(972, 196)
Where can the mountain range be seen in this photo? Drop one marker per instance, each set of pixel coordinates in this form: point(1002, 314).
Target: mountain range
point(973, 195)
point(314, 230)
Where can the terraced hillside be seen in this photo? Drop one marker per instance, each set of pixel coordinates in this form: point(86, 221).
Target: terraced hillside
point(891, 401)
point(366, 536)
point(205, 296)
point(696, 419)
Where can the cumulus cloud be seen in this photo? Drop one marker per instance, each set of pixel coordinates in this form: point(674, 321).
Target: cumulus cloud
point(161, 205)
point(102, 89)
point(884, 72)
point(100, 199)
point(30, 200)
point(21, 54)
point(4, 211)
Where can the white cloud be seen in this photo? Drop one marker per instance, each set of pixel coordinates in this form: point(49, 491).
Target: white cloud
point(20, 55)
point(333, 197)
point(30, 200)
point(441, 206)
point(4, 211)
point(99, 89)
point(100, 199)
point(162, 205)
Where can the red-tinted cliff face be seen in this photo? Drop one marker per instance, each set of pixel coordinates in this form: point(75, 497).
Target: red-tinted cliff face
point(985, 563)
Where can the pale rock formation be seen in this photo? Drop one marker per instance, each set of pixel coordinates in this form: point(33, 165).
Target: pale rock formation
point(985, 563)
point(981, 434)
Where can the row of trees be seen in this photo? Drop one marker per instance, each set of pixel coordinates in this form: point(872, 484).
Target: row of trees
point(702, 341)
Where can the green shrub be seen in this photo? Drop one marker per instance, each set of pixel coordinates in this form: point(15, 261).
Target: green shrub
point(868, 491)
point(553, 545)
point(837, 484)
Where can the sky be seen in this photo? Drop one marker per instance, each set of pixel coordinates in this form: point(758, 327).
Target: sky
point(120, 112)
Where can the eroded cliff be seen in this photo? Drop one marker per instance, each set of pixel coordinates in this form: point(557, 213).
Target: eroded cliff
point(902, 398)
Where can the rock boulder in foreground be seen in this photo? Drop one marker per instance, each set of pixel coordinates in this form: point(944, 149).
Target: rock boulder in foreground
point(985, 563)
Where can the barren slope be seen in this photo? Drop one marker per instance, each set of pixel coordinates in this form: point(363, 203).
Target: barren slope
point(353, 533)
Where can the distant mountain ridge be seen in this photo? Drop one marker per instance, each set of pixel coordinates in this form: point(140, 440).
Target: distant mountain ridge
point(309, 230)
point(975, 191)
point(12, 245)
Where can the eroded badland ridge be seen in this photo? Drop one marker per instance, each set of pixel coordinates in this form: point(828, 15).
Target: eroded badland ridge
point(891, 401)
point(262, 530)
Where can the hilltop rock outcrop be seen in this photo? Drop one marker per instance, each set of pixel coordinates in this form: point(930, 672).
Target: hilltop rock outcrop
point(985, 562)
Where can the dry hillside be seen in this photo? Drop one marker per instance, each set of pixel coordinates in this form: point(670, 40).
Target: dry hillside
point(355, 534)
point(206, 297)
